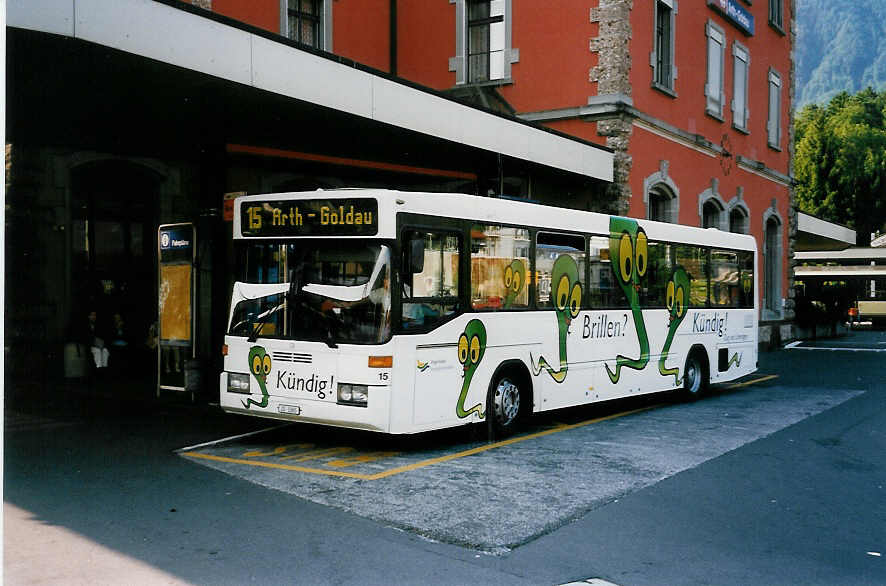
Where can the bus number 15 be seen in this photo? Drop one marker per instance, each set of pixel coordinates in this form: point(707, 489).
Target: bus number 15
point(254, 218)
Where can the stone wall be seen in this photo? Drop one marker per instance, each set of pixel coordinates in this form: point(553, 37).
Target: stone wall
point(611, 75)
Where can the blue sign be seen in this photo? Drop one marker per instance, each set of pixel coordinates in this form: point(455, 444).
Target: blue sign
point(736, 13)
point(176, 239)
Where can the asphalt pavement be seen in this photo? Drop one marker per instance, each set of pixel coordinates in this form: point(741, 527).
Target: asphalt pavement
point(781, 482)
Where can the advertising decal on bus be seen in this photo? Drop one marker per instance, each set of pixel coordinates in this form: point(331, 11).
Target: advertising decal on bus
point(676, 298)
point(514, 281)
point(564, 277)
point(628, 249)
point(260, 367)
point(471, 348)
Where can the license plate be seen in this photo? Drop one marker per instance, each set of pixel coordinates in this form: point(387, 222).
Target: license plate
point(289, 409)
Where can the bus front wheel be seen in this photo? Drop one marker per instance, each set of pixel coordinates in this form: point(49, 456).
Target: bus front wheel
point(504, 405)
point(695, 377)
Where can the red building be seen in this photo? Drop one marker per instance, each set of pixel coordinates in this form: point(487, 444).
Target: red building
point(694, 98)
point(153, 110)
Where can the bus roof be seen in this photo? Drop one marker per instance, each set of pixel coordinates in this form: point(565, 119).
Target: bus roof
point(492, 210)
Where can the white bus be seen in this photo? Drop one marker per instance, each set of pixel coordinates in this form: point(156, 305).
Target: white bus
point(406, 312)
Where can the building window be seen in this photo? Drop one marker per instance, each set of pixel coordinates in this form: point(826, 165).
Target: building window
point(662, 206)
point(716, 55)
point(773, 125)
point(776, 12)
point(710, 214)
point(308, 22)
point(741, 63)
point(772, 268)
point(483, 41)
point(738, 221)
point(486, 40)
point(662, 61)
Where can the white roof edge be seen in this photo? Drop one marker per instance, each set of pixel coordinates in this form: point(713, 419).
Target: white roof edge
point(847, 254)
point(818, 227)
point(184, 39)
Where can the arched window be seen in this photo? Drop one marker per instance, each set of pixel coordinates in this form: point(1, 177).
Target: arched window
point(738, 220)
point(772, 267)
point(710, 214)
point(662, 205)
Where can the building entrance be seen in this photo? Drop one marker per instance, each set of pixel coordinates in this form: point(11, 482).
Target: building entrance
point(114, 214)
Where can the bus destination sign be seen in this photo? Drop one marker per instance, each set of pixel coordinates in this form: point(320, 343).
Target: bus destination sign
point(309, 217)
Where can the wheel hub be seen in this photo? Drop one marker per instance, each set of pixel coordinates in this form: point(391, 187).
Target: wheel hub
point(506, 402)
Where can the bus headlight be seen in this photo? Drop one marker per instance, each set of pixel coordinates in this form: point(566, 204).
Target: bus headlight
point(357, 395)
point(238, 383)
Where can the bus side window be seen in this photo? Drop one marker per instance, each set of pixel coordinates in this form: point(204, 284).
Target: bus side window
point(603, 289)
point(725, 286)
point(693, 259)
point(653, 292)
point(499, 267)
point(430, 295)
point(549, 248)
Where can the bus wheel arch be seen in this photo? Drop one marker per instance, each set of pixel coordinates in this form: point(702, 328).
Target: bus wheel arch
point(696, 373)
point(509, 399)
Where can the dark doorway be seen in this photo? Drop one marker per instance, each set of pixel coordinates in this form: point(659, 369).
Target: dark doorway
point(114, 217)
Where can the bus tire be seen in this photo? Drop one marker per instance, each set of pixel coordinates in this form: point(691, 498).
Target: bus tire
point(506, 402)
point(695, 375)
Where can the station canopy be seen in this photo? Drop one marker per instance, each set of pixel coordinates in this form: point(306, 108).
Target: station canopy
point(135, 77)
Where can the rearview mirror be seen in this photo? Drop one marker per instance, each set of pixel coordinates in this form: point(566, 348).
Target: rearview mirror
point(416, 260)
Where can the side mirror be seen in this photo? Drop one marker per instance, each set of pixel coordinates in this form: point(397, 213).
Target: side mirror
point(416, 260)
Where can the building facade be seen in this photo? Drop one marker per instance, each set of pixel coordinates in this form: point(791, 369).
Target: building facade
point(654, 109)
point(129, 130)
point(695, 98)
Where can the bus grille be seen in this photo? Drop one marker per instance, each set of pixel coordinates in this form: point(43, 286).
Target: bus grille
point(292, 357)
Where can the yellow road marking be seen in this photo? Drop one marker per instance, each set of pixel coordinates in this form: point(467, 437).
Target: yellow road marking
point(274, 465)
point(415, 465)
point(317, 454)
point(752, 381)
point(424, 463)
point(276, 451)
point(361, 459)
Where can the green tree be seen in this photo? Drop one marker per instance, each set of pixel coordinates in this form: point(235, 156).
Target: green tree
point(840, 161)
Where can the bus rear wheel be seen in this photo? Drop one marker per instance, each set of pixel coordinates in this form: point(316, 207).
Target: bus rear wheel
point(504, 405)
point(695, 376)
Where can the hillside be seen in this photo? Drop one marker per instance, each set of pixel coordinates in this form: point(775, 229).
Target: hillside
point(841, 45)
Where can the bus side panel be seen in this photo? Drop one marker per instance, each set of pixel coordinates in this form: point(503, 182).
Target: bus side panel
point(728, 336)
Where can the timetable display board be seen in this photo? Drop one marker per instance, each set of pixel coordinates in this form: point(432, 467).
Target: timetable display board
point(309, 217)
point(176, 311)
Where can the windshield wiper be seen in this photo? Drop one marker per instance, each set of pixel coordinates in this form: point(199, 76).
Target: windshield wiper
point(262, 320)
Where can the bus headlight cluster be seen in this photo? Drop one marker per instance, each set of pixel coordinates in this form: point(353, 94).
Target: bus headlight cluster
point(238, 383)
point(349, 394)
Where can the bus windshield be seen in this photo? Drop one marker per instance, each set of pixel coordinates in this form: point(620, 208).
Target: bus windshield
point(314, 290)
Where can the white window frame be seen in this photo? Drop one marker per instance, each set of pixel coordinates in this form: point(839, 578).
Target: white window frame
point(740, 56)
point(715, 95)
point(776, 14)
point(773, 123)
point(668, 84)
point(459, 63)
point(325, 23)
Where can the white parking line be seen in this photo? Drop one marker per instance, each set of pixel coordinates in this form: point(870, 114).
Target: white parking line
point(836, 349)
point(231, 438)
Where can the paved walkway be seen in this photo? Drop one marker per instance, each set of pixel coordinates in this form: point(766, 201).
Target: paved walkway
point(38, 553)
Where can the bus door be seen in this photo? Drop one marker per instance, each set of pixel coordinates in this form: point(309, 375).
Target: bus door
point(176, 324)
